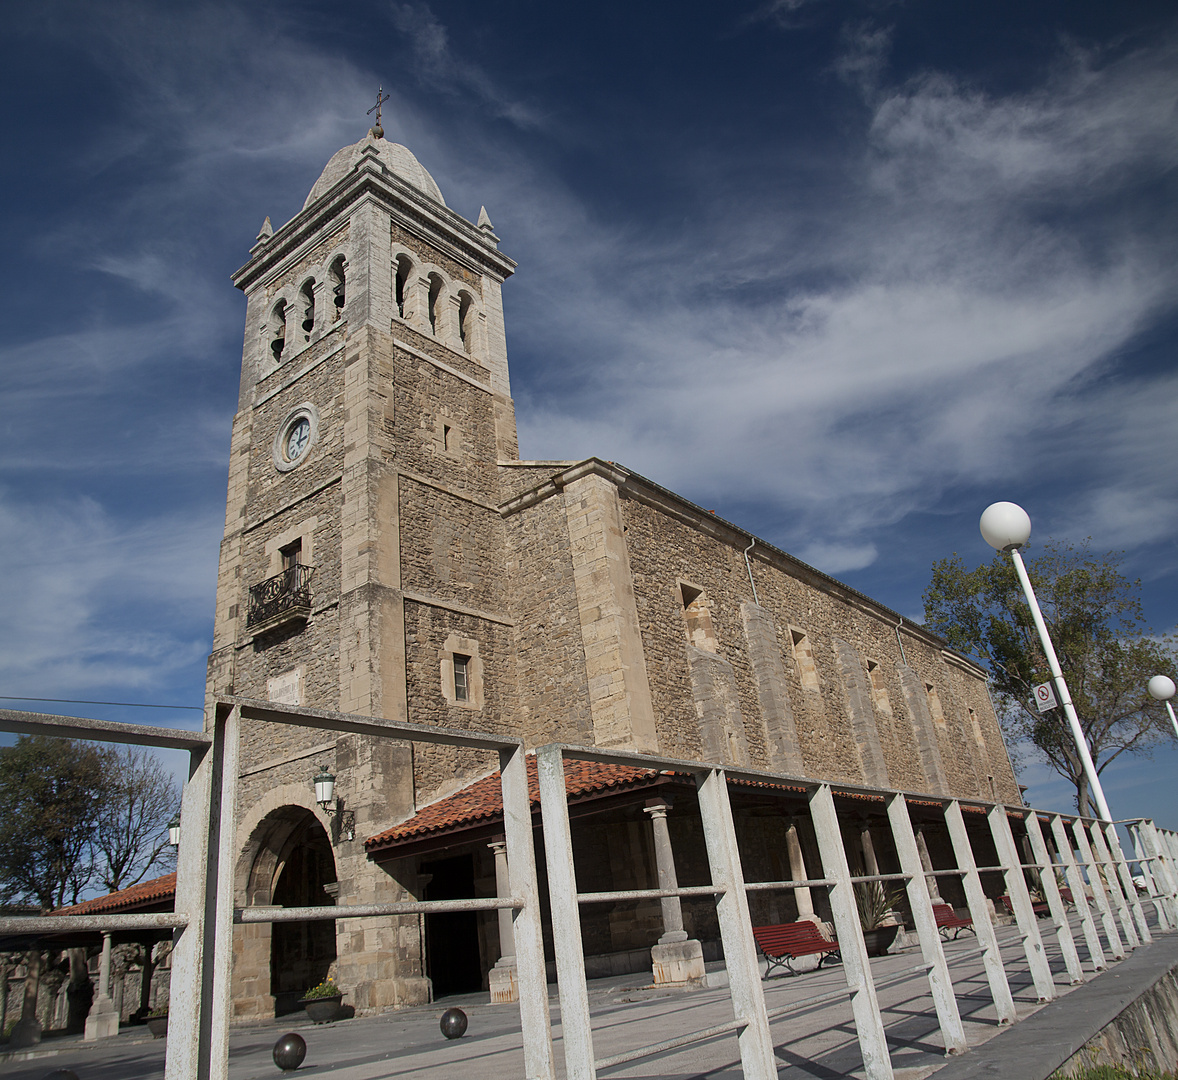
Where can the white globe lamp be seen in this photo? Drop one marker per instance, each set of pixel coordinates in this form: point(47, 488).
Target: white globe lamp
point(1005, 526)
point(1161, 688)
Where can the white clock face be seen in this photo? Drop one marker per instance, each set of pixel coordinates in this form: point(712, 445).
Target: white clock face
point(297, 438)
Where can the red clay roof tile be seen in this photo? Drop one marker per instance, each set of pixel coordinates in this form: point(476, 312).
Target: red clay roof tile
point(146, 892)
point(483, 800)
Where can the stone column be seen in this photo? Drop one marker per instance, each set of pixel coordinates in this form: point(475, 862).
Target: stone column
point(870, 862)
point(416, 297)
point(797, 872)
point(934, 886)
point(678, 959)
point(27, 1031)
point(103, 1021)
point(503, 977)
point(145, 978)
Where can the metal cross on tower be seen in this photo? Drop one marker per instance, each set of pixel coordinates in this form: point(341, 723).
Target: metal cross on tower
point(381, 98)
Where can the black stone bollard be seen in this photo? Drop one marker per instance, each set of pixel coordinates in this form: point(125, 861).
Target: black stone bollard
point(453, 1023)
point(289, 1052)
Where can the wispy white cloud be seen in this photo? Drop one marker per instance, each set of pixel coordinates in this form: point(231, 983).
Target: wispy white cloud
point(71, 617)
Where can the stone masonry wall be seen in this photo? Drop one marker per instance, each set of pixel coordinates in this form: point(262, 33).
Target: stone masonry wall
point(853, 650)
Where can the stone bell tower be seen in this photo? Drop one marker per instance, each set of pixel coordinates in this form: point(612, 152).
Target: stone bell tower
point(360, 568)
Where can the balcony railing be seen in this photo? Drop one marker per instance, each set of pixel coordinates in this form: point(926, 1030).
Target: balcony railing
point(280, 599)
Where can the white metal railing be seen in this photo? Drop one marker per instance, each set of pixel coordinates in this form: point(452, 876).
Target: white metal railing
point(1086, 852)
point(199, 1006)
point(1101, 859)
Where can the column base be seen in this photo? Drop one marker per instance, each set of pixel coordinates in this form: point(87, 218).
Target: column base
point(504, 984)
point(679, 963)
point(103, 1021)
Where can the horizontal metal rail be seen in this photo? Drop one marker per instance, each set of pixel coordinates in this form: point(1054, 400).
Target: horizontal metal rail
point(648, 894)
point(76, 727)
point(42, 924)
point(364, 911)
point(806, 883)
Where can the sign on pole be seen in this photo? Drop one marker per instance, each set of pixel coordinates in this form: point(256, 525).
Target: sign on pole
point(1045, 697)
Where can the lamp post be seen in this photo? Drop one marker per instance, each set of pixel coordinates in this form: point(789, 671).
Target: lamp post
point(1007, 527)
point(174, 831)
point(1161, 688)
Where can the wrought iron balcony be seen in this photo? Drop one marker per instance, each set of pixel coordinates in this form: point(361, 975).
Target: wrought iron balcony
point(280, 599)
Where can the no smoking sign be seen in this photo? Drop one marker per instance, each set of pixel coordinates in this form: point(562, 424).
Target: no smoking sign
point(1045, 697)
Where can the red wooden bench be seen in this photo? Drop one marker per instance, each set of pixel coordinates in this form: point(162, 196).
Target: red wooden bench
point(948, 919)
point(1040, 908)
point(783, 943)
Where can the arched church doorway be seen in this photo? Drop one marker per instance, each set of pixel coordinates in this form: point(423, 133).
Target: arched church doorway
point(452, 937)
point(300, 953)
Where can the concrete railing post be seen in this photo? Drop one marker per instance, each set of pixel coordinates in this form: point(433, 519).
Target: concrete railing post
point(1020, 901)
point(736, 927)
point(979, 911)
point(1050, 887)
point(873, 1043)
point(526, 933)
point(1100, 896)
point(1075, 880)
point(939, 980)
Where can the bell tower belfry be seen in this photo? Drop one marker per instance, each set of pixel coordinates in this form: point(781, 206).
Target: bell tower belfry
point(373, 411)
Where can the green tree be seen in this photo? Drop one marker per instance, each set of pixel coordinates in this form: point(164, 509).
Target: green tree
point(1094, 615)
point(79, 816)
point(51, 791)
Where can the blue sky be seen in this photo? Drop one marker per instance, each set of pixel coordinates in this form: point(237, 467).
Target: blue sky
point(845, 272)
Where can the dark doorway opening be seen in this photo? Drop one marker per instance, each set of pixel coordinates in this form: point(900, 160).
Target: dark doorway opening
point(301, 953)
point(452, 938)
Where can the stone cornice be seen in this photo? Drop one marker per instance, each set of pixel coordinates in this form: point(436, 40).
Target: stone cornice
point(436, 225)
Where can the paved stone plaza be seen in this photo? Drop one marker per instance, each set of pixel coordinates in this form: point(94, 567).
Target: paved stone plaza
point(816, 1040)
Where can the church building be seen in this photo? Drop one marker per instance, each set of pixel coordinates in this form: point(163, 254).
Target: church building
point(387, 553)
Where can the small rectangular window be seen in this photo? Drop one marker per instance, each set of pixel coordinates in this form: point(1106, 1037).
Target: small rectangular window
point(461, 682)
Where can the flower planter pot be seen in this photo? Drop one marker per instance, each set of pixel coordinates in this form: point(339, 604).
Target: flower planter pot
point(322, 1010)
point(880, 939)
point(158, 1026)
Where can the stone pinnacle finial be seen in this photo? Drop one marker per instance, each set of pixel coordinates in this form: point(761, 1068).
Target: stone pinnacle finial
point(485, 220)
point(267, 229)
point(376, 131)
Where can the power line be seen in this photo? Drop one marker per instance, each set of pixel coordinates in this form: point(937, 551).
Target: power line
point(126, 704)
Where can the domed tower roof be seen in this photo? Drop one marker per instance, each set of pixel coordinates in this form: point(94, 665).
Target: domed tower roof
point(394, 156)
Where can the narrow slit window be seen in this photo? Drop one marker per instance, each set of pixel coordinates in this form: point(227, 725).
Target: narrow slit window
point(804, 655)
point(461, 678)
point(879, 690)
point(697, 611)
point(934, 705)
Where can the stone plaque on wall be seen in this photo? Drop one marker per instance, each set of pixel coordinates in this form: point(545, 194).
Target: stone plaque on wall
point(287, 688)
